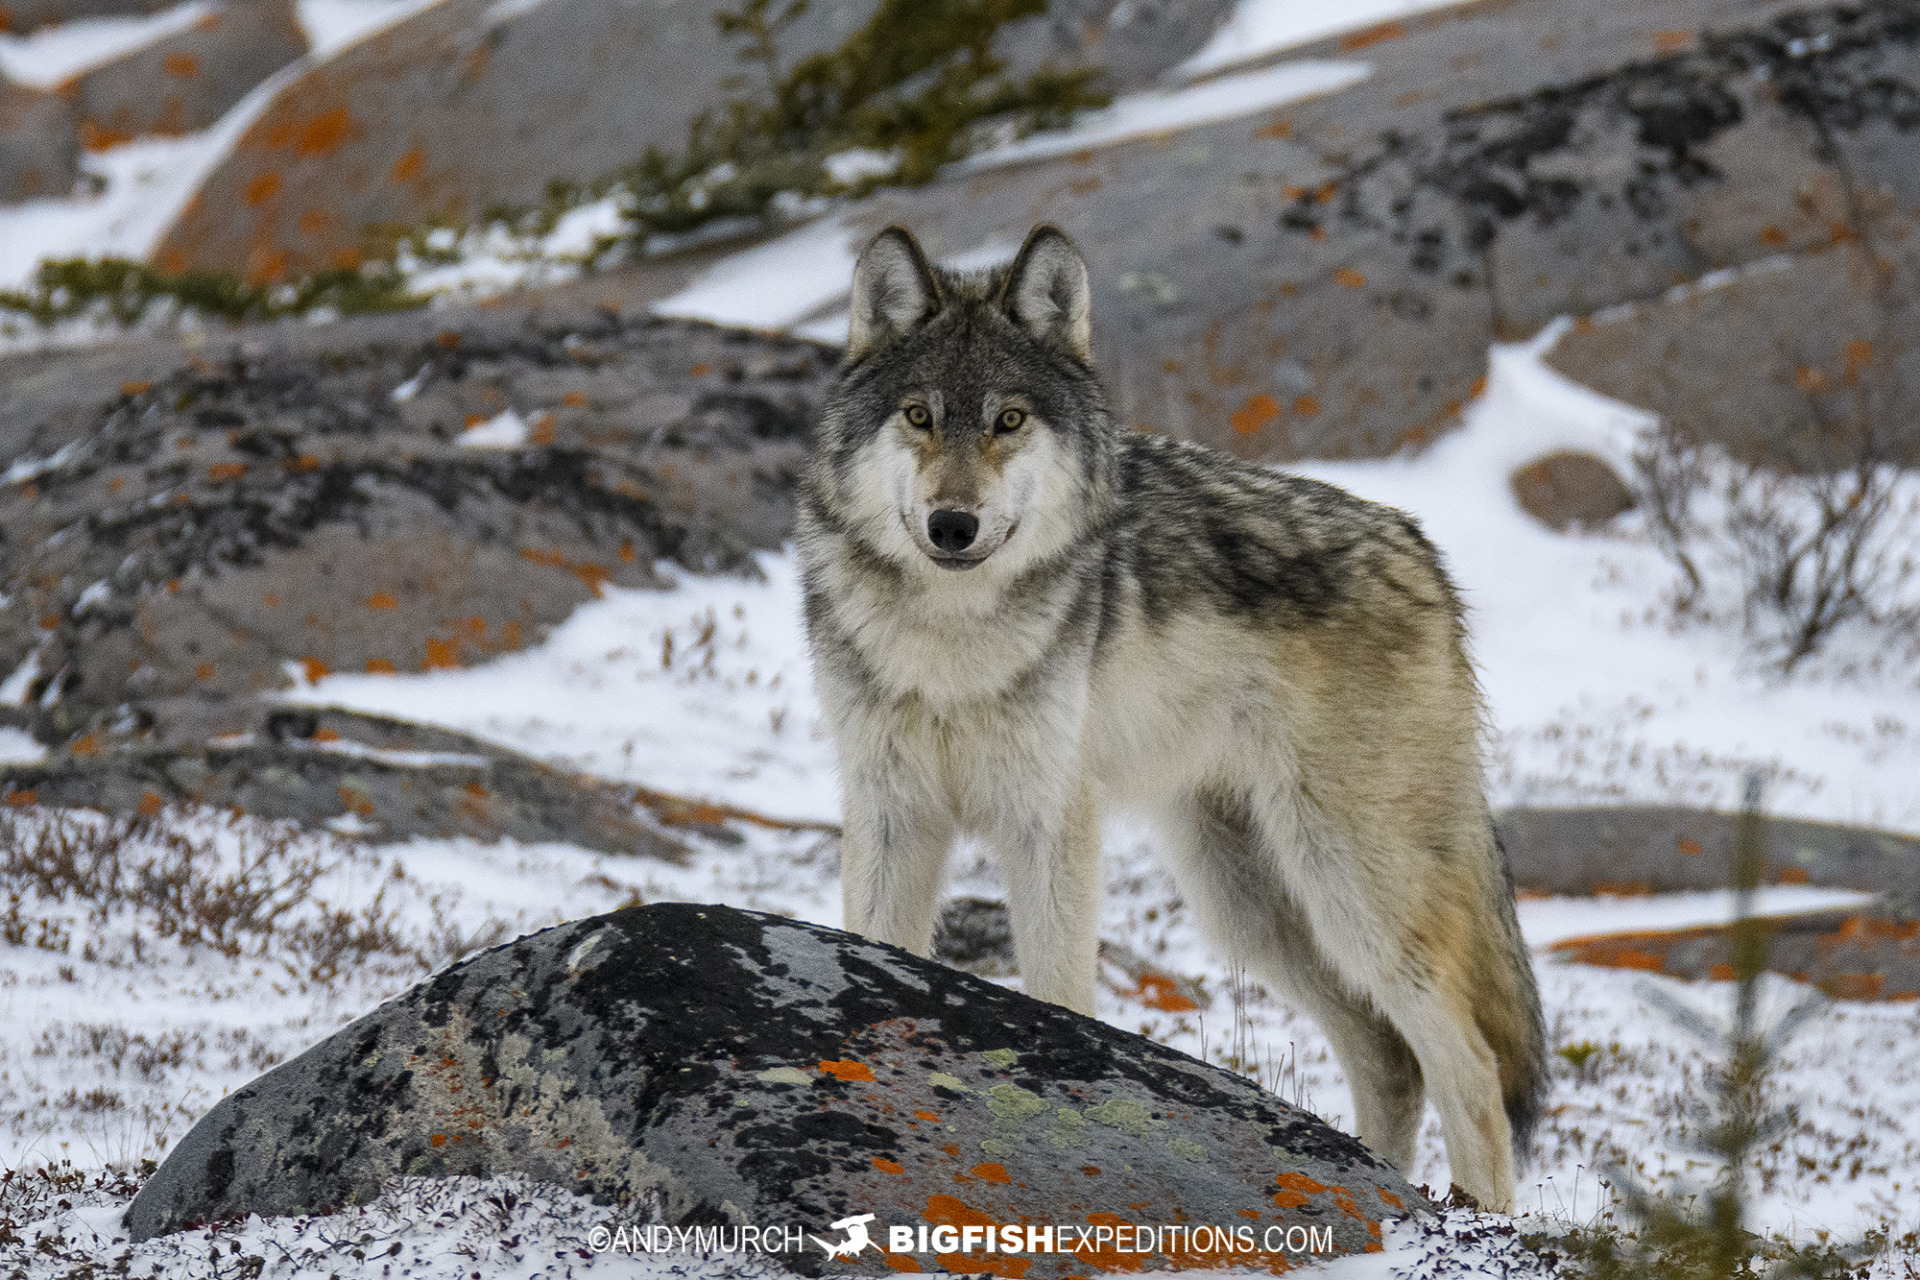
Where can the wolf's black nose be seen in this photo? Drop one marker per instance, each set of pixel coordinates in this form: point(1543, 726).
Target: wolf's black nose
point(951, 531)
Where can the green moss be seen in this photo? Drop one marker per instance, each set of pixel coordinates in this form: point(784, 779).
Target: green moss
point(127, 292)
point(915, 86)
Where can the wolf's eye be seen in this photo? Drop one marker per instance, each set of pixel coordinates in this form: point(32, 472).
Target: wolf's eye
point(918, 416)
point(1009, 420)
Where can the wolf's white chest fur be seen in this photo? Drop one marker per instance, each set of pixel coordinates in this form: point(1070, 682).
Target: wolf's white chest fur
point(1139, 717)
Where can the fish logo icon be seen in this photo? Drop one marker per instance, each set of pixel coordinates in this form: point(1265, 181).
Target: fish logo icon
point(857, 1237)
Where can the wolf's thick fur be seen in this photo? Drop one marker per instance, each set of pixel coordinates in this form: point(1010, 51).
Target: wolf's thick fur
point(1021, 615)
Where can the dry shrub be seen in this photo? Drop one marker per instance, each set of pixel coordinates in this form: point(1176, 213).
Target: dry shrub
point(1794, 557)
point(167, 877)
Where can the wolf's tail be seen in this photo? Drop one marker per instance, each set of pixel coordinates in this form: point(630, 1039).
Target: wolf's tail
point(1508, 1014)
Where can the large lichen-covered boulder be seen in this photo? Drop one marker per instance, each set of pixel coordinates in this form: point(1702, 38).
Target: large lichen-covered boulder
point(702, 1065)
point(186, 81)
point(38, 154)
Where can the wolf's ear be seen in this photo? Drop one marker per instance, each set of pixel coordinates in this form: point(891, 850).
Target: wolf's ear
point(1046, 292)
point(893, 290)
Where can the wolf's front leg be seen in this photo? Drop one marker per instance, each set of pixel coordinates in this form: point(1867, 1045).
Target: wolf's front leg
point(1053, 897)
point(893, 864)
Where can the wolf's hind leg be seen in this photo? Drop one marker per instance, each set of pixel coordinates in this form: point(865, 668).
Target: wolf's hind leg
point(893, 865)
point(1231, 878)
point(1432, 955)
point(1053, 900)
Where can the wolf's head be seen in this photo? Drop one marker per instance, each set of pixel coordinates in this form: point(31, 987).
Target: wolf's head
point(968, 427)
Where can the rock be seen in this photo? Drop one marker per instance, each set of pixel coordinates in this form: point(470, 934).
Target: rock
point(187, 81)
point(38, 155)
point(1667, 850)
point(1777, 364)
point(467, 106)
point(1323, 279)
point(703, 1065)
point(1867, 957)
point(472, 105)
point(976, 934)
point(357, 774)
point(174, 544)
point(1567, 489)
point(22, 17)
point(1133, 43)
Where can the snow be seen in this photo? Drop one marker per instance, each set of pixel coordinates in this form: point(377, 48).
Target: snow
point(774, 284)
point(142, 188)
point(494, 258)
point(17, 746)
point(43, 58)
point(1163, 111)
point(704, 690)
point(333, 25)
point(1545, 921)
point(1260, 28)
point(505, 430)
point(1594, 696)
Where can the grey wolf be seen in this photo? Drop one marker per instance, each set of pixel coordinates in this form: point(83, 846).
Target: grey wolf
point(1022, 616)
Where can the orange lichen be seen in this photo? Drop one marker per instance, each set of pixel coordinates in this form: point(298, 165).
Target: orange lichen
point(381, 600)
point(442, 655)
point(1254, 415)
point(409, 166)
point(1374, 35)
point(847, 1070)
point(1158, 991)
point(324, 133)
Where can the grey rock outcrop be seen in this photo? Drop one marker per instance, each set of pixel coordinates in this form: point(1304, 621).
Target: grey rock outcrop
point(699, 1064)
point(186, 82)
point(22, 17)
point(39, 156)
point(1323, 279)
point(473, 105)
point(186, 531)
point(1655, 849)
